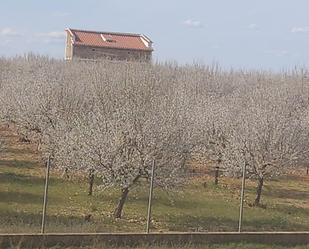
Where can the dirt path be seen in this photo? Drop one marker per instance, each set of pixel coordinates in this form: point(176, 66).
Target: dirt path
point(18, 154)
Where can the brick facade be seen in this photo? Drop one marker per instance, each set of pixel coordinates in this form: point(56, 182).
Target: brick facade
point(75, 50)
point(86, 52)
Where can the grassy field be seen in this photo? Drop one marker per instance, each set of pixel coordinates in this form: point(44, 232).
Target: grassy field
point(215, 246)
point(195, 207)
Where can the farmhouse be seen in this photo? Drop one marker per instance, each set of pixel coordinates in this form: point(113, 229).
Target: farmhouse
point(94, 45)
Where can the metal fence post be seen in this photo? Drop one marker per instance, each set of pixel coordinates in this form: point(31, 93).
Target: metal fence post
point(45, 195)
point(150, 197)
point(241, 209)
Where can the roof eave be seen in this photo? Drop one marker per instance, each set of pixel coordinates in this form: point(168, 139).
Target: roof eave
point(105, 32)
point(145, 36)
point(71, 34)
point(135, 49)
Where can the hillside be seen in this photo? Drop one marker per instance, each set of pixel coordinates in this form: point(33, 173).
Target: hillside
point(195, 207)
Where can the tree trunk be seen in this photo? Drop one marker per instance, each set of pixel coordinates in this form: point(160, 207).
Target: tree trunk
point(91, 181)
point(307, 170)
point(65, 173)
point(119, 208)
point(217, 175)
point(259, 191)
point(39, 145)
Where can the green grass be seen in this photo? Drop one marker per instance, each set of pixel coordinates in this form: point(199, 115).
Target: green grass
point(214, 246)
point(191, 208)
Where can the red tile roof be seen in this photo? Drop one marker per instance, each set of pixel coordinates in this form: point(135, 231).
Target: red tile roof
point(110, 39)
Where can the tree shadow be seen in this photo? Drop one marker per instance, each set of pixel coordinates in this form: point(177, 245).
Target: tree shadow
point(290, 177)
point(13, 222)
point(218, 224)
point(287, 194)
point(19, 164)
point(10, 178)
point(292, 210)
point(21, 198)
point(29, 180)
point(21, 151)
point(20, 221)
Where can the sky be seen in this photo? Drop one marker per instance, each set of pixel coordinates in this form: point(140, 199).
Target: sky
point(240, 34)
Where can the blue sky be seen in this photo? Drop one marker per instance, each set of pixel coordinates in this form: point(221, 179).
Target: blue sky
point(268, 34)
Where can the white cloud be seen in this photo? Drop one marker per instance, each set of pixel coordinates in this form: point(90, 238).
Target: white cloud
point(300, 29)
point(253, 26)
point(50, 37)
point(277, 52)
point(61, 14)
point(193, 23)
point(9, 32)
point(52, 34)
